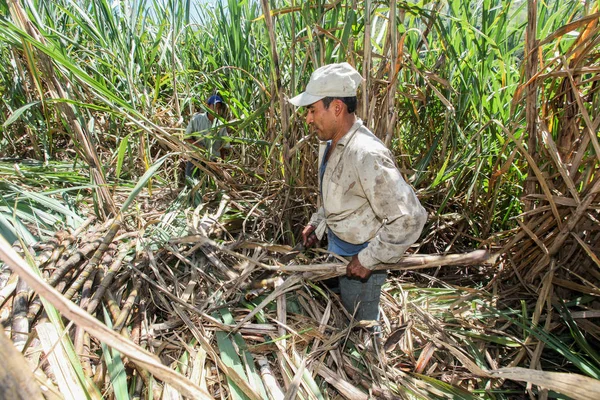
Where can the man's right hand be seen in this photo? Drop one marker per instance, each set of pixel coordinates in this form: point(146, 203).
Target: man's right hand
point(309, 238)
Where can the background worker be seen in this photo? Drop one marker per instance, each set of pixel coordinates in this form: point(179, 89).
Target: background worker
point(205, 124)
point(370, 214)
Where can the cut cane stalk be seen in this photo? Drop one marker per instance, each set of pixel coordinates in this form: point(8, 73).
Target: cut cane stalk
point(95, 260)
point(81, 343)
point(20, 323)
point(127, 306)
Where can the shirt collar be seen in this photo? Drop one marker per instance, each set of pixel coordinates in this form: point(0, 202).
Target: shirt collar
point(346, 138)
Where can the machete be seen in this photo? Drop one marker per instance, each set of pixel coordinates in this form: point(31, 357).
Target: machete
point(297, 249)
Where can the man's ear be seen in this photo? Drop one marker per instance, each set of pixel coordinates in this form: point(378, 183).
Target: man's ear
point(339, 106)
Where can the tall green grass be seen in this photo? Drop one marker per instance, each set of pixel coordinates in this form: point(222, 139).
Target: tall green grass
point(134, 68)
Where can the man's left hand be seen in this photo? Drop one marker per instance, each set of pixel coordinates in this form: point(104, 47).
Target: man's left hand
point(356, 270)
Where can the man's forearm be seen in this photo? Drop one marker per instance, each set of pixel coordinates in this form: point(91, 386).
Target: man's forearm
point(393, 240)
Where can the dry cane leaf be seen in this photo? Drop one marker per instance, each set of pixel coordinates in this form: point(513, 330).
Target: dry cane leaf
point(424, 357)
point(66, 378)
point(576, 386)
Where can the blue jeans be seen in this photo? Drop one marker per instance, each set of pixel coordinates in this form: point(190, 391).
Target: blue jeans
point(356, 294)
point(364, 295)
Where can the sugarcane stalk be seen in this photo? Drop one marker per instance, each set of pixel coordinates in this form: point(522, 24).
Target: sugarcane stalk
point(273, 388)
point(63, 241)
point(366, 112)
point(136, 328)
point(84, 354)
point(34, 308)
point(390, 117)
point(65, 265)
point(106, 281)
point(531, 106)
point(99, 374)
point(565, 231)
point(48, 248)
point(112, 304)
point(36, 303)
point(124, 278)
point(126, 309)
point(139, 335)
point(96, 258)
point(88, 271)
point(73, 261)
point(115, 312)
point(82, 338)
point(317, 272)
point(281, 313)
point(20, 323)
point(137, 393)
point(276, 73)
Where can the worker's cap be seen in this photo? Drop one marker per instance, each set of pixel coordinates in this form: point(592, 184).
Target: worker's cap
point(333, 80)
point(214, 99)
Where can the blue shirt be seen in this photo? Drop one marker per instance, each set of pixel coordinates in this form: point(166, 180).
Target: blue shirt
point(335, 244)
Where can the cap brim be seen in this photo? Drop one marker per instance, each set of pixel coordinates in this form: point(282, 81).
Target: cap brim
point(305, 99)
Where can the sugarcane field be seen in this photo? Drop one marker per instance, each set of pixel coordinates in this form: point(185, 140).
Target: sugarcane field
point(320, 199)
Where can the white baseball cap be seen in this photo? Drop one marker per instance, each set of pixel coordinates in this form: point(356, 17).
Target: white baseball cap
point(333, 80)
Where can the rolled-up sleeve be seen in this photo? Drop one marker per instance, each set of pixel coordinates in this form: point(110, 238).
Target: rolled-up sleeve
point(394, 202)
point(318, 221)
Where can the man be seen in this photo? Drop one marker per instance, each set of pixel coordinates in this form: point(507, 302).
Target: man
point(206, 124)
point(369, 212)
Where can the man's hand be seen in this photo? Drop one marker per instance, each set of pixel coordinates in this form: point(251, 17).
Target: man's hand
point(356, 270)
point(309, 238)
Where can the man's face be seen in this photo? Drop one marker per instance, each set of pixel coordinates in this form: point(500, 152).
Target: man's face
point(216, 108)
point(321, 120)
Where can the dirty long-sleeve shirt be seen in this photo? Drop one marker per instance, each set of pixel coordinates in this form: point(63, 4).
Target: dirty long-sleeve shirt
point(365, 199)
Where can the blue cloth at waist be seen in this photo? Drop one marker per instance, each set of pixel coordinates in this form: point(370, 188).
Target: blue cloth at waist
point(341, 247)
